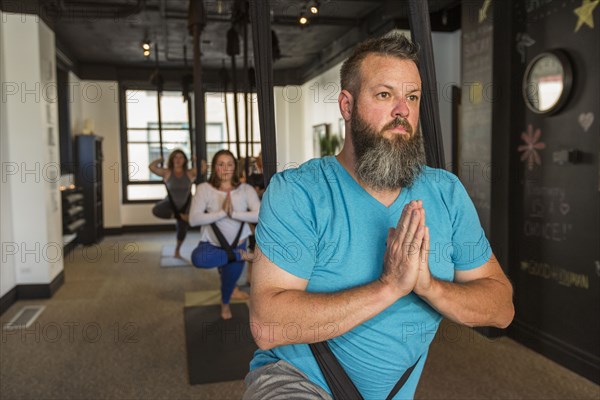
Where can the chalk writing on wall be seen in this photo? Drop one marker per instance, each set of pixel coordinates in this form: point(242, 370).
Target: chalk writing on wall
point(557, 274)
point(546, 213)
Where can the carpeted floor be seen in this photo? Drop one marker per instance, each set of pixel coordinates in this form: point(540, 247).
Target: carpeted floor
point(115, 331)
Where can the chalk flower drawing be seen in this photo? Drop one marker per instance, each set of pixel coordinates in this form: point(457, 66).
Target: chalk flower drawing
point(531, 147)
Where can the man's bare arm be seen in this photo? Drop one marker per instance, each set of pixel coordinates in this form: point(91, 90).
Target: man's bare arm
point(282, 312)
point(478, 297)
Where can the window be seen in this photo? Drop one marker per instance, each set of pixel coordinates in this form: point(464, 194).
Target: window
point(141, 141)
point(217, 137)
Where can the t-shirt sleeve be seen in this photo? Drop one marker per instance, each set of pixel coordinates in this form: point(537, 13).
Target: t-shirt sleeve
point(286, 232)
point(471, 248)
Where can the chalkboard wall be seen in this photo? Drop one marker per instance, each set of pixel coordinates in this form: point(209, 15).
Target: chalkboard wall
point(474, 144)
point(556, 267)
point(549, 166)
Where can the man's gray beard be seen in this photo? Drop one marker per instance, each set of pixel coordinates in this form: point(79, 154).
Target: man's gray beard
point(386, 164)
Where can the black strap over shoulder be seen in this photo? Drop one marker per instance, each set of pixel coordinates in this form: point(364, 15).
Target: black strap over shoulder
point(340, 384)
point(223, 242)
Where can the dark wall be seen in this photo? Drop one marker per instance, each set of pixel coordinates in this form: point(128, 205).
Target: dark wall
point(556, 218)
point(540, 208)
point(474, 142)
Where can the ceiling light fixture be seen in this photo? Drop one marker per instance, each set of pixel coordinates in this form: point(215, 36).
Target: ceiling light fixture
point(303, 20)
point(146, 44)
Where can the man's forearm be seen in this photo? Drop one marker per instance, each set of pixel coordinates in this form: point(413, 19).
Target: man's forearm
point(481, 302)
point(282, 312)
point(296, 316)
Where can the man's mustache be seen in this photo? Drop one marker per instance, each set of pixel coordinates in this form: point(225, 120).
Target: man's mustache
point(399, 121)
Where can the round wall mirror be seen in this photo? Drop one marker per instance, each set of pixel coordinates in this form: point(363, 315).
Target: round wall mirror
point(547, 82)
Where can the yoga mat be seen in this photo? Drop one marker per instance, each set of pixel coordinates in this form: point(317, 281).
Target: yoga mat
point(168, 261)
point(218, 350)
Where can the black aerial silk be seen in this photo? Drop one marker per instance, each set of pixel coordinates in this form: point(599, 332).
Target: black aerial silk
point(420, 29)
point(196, 23)
point(340, 384)
point(421, 34)
point(263, 63)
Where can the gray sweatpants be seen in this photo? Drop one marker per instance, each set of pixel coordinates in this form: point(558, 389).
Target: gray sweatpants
point(281, 381)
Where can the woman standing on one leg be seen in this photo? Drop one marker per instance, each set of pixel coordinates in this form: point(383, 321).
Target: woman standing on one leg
point(178, 179)
point(229, 204)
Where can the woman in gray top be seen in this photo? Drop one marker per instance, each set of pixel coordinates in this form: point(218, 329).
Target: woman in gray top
point(179, 180)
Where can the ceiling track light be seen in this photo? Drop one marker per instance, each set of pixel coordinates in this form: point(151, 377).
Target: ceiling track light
point(146, 47)
point(311, 9)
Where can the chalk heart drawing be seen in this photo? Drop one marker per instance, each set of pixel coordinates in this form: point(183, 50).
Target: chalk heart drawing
point(586, 120)
point(564, 208)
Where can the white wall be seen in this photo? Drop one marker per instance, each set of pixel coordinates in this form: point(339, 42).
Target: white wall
point(447, 51)
point(30, 156)
point(8, 278)
point(289, 125)
point(50, 136)
point(100, 104)
point(320, 101)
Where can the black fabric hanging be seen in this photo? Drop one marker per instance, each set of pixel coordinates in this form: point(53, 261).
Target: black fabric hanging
point(157, 79)
point(420, 29)
point(186, 82)
point(223, 241)
point(246, 89)
point(196, 23)
point(276, 51)
point(240, 20)
point(225, 81)
point(233, 49)
point(340, 384)
point(260, 16)
point(251, 87)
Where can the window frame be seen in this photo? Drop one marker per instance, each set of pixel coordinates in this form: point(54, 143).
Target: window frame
point(125, 182)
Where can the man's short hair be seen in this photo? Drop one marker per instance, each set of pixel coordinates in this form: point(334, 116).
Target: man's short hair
point(393, 44)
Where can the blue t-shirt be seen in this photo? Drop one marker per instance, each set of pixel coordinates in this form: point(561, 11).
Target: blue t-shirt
point(316, 222)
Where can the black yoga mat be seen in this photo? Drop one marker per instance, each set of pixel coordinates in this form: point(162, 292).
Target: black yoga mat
point(218, 350)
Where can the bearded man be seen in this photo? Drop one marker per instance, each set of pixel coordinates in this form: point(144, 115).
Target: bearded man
point(367, 251)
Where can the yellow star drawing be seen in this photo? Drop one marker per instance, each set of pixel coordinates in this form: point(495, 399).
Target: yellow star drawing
point(584, 13)
point(483, 10)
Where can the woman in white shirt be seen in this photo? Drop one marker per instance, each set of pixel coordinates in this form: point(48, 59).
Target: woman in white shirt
point(226, 203)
